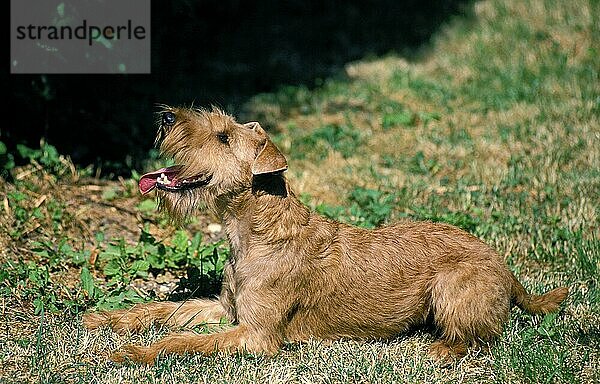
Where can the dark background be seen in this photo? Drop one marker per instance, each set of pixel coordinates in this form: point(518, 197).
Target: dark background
point(211, 52)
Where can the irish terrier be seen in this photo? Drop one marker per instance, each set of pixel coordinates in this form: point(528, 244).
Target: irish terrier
point(294, 275)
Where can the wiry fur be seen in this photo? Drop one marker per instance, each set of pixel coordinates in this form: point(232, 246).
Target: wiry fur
point(294, 275)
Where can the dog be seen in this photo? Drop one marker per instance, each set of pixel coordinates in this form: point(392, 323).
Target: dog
point(295, 275)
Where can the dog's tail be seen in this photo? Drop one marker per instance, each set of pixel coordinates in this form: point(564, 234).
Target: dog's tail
point(537, 304)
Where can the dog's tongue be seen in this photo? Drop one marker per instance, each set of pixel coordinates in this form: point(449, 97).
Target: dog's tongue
point(149, 180)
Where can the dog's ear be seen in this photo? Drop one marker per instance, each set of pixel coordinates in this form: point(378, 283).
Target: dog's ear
point(269, 160)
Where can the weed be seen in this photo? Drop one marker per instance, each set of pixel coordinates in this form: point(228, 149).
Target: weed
point(47, 156)
point(393, 114)
point(122, 263)
point(7, 161)
point(110, 193)
point(146, 205)
point(421, 166)
point(459, 219)
point(404, 118)
point(368, 208)
point(344, 139)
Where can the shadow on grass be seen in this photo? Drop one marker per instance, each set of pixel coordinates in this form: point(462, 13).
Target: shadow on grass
point(196, 284)
point(212, 52)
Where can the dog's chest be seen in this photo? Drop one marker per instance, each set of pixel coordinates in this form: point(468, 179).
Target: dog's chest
point(236, 234)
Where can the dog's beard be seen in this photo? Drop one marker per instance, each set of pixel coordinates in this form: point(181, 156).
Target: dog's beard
point(180, 206)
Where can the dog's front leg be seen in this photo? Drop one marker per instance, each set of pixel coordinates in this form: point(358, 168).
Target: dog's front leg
point(261, 329)
point(241, 338)
point(187, 314)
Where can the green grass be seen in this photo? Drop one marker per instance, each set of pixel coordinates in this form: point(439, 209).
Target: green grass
point(495, 129)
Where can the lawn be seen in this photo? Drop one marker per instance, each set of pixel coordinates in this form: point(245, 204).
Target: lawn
point(495, 128)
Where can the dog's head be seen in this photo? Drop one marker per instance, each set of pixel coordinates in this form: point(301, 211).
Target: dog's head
point(215, 156)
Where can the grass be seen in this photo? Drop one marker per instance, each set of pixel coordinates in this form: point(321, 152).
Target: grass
point(495, 129)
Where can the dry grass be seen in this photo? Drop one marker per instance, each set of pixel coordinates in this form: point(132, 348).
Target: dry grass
point(61, 351)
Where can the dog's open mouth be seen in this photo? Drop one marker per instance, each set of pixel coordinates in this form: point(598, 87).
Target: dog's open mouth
point(166, 179)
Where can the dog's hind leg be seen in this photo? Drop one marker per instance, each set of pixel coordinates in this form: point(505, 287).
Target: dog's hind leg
point(470, 304)
point(141, 316)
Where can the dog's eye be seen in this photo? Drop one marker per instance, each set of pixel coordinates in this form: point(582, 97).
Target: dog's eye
point(168, 118)
point(223, 138)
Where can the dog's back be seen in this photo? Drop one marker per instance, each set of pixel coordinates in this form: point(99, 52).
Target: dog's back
point(377, 283)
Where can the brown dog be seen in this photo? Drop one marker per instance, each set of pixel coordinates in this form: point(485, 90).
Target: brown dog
point(295, 275)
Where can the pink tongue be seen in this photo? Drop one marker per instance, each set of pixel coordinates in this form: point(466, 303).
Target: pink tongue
point(149, 180)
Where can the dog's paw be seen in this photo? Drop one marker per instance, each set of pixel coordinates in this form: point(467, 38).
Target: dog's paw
point(95, 320)
point(118, 321)
point(444, 353)
point(134, 354)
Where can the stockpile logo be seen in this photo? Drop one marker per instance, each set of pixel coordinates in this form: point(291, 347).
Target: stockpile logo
point(85, 36)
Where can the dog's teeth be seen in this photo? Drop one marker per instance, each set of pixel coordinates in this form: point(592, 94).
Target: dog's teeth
point(163, 179)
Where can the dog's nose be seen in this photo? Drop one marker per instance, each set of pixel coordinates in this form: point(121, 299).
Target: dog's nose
point(168, 118)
